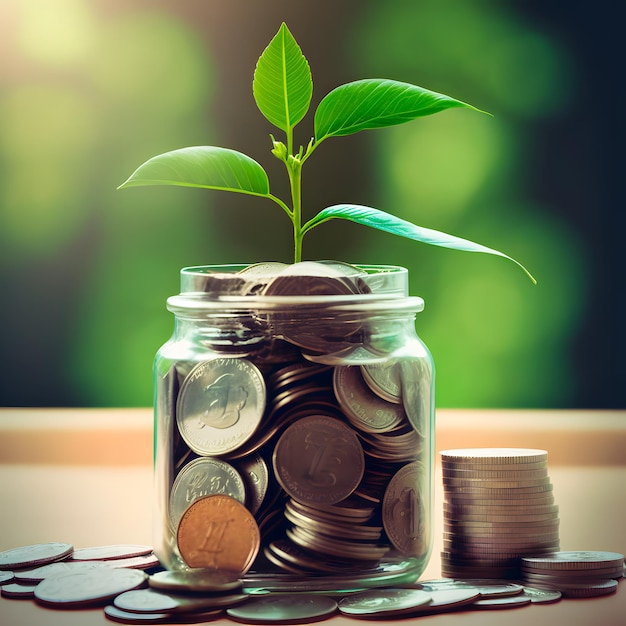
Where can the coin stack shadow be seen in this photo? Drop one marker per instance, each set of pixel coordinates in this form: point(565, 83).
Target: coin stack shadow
point(498, 507)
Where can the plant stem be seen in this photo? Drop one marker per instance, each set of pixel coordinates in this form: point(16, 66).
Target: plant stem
point(294, 168)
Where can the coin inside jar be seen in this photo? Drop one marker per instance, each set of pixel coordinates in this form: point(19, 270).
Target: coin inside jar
point(218, 532)
point(318, 459)
point(220, 405)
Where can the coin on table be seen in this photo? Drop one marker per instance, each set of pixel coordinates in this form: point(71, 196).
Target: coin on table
point(279, 609)
point(442, 600)
point(17, 591)
point(209, 581)
point(318, 459)
point(87, 588)
point(202, 477)
point(574, 559)
point(145, 562)
point(383, 602)
point(57, 569)
point(508, 602)
point(541, 596)
point(109, 552)
point(403, 511)
point(36, 554)
point(218, 532)
point(220, 405)
point(6, 576)
point(153, 601)
point(126, 617)
point(364, 409)
point(486, 588)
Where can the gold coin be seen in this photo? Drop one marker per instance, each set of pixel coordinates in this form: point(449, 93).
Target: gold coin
point(218, 532)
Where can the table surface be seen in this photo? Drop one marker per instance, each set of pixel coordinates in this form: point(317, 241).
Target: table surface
point(84, 476)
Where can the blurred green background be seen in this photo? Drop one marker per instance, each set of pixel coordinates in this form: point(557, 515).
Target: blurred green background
point(89, 89)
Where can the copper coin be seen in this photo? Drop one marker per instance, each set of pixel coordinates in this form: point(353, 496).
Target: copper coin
point(218, 532)
point(319, 459)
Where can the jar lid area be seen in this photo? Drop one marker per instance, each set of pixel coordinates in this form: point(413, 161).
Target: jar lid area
point(304, 279)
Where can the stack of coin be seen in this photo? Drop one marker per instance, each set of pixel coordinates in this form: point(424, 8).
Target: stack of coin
point(576, 574)
point(498, 507)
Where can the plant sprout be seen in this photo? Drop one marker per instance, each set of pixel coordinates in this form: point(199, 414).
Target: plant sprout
point(282, 88)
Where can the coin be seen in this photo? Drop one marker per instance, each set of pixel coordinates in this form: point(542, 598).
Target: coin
point(6, 576)
point(153, 601)
point(254, 471)
point(126, 617)
point(212, 581)
point(202, 477)
point(384, 379)
point(36, 554)
point(57, 569)
point(364, 409)
point(284, 609)
point(442, 600)
point(318, 459)
point(145, 562)
point(218, 532)
point(494, 456)
point(486, 588)
point(87, 588)
point(383, 602)
point(508, 602)
point(220, 405)
point(541, 596)
point(105, 553)
point(580, 559)
point(403, 511)
point(18, 591)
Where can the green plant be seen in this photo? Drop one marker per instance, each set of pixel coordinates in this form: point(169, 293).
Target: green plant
point(282, 88)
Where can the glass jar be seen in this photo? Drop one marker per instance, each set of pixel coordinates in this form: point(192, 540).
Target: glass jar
point(302, 393)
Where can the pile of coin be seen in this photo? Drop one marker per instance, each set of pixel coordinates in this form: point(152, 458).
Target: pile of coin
point(318, 433)
point(576, 574)
point(498, 507)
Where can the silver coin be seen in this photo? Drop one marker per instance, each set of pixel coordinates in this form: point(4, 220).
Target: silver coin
point(541, 596)
point(18, 591)
point(57, 569)
point(486, 588)
point(153, 601)
point(126, 617)
point(284, 609)
point(508, 602)
point(205, 580)
point(384, 602)
point(384, 379)
point(442, 600)
point(220, 405)
point(201, 477)
point(6, 576)
point(36, 554)
point(403, 511)
point(145, 562)
point(364, 409)
point(254, 471)
point(105, 553)
point(87, 588)
point(494, 456)
point(577, 559)
point(318, 459)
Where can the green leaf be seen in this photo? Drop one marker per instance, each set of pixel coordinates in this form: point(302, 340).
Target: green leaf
point(376, 103)
point(282, 84)
point(203, 166)
point(380, 220)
